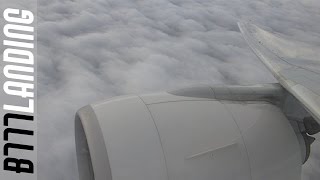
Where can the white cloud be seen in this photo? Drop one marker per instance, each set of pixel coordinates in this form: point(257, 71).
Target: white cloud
point(92, 50)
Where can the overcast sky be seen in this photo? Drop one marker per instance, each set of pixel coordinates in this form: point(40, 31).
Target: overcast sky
point(89, 51)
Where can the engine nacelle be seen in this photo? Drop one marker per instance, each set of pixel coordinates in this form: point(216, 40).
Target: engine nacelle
point(200, 133)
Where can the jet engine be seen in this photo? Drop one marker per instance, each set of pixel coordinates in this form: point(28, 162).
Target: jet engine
point(195, 133)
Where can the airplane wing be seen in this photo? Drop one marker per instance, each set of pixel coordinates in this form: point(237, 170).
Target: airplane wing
point(295, 65)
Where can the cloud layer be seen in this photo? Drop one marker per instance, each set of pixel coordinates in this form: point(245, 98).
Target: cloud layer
point(94, 50)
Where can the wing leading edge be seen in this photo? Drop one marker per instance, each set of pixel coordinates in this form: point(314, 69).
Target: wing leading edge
point(296, 68)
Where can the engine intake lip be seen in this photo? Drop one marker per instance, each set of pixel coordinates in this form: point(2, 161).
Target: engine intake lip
point(92, 156)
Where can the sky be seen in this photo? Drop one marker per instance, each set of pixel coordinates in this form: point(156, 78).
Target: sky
point(88, 51)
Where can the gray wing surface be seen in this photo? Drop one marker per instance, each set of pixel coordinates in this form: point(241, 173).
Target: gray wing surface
point(295, 65)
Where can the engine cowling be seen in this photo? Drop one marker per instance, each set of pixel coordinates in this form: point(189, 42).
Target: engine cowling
point(198, 133)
